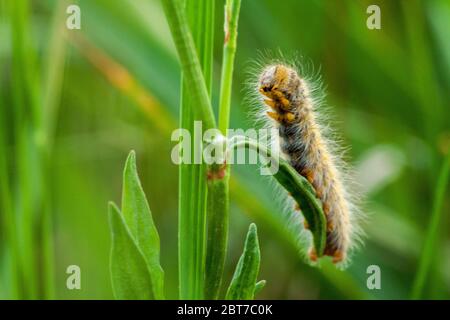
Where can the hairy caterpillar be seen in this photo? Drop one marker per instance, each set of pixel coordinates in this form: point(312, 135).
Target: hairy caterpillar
point(303, 143)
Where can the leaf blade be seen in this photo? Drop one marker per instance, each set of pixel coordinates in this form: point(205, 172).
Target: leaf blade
point(138, 217)
point(259, 286)
point(129, 274)
point(298, 187)
point(301, 190)
point(243, 284)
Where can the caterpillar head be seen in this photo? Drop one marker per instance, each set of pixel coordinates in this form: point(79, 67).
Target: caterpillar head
point(278, 79)
point(280, 85)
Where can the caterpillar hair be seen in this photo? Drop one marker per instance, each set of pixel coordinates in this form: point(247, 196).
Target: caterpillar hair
point(306, 145)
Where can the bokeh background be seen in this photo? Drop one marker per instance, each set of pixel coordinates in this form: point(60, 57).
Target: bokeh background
point(75, 102)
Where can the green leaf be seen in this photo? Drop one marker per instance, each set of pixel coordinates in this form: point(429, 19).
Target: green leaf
point(303, 193)
point(259, 286)
point(129, 274)
point(138, 217)
point(243, 284)
point(299, 188)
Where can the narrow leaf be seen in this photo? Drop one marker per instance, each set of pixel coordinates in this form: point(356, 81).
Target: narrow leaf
point(129, 274)
point(303, 193)
point(299, 188)
point(243, 284)
point(259, 286)
point(138, 218)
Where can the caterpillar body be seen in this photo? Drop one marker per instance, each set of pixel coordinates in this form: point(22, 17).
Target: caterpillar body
point(303, 143)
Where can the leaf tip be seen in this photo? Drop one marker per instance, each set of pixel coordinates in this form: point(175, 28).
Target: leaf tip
point(131, 161)
point(259, 286)
point(112, 207)
point(253, 232)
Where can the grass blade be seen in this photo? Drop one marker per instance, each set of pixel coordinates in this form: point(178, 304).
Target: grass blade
point(138, 218)
point(430, 246)
point(25, 89)
point(243, 284)
point(8, 220)
point(51, 95)
point(129, 274)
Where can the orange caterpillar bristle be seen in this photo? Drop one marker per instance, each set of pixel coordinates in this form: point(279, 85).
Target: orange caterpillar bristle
point(302, 142)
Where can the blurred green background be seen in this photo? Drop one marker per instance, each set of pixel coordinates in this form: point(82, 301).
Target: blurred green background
point(75, 102)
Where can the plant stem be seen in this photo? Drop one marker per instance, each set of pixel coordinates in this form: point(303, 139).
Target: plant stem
point(218, 213)
point(195, 105)
point(52, 84)
point(189, 60)
point(430, 246)
point(218, 184)
point(232, 8)
point(25, 117)
point(34, 122)
point(6, 208)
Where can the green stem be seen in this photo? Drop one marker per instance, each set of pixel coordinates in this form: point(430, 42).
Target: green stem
point(218, 212)
point(25, 117)
point(6, 208)
point(34, 123)
point(195, 105)
point(232, 8)
point(430, 246)
point(54, 72)
point(190, 63)
point(218, 185)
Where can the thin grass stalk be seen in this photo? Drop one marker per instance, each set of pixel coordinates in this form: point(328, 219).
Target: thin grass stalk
point(218, 183)
point(24, 118)
point(6, 208)
point(430, 248)
point(34, 122)
point(232, 8)
point(52, 84)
